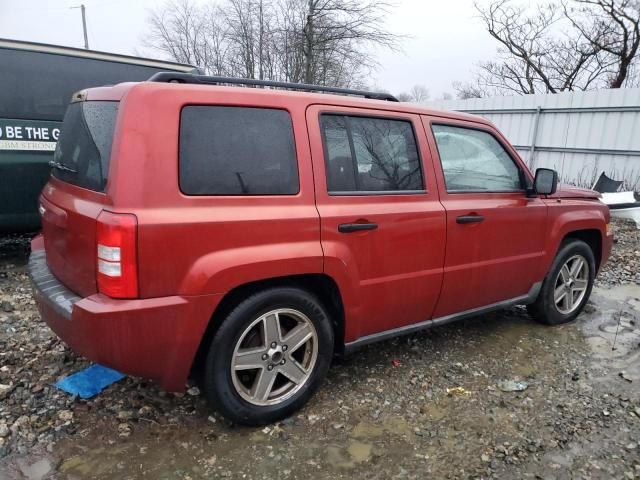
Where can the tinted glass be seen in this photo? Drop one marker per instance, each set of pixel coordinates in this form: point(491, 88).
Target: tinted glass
point(473, 161)
point(237, 151)
point(341, 171)
point(84, 147)
point(370, 154)
point(38, 86)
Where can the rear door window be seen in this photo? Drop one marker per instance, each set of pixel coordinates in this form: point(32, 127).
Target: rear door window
point(366, 154)
point(84, 147)
point(237, 151)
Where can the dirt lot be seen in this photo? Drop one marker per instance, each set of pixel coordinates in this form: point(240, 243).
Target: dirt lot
point(432, 405)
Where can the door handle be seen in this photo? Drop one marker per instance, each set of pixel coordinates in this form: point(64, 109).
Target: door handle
point(356, 227)
point(463, 219)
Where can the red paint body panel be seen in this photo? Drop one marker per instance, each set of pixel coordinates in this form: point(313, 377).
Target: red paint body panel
point(569, 191)
point(497, 259)
point(239, 239)
point(152, 338)
point(571, 215)
point(395, 268)
point(69, 229)
point(192, 250)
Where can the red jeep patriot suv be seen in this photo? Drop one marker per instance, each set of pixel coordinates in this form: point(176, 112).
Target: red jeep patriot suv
point(256, 232)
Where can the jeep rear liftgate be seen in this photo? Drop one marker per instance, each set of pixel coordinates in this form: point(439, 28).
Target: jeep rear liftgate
point(72, 201)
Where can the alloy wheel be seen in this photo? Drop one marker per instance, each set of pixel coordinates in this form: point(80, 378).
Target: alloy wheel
point(274, 357)
point(571, 284)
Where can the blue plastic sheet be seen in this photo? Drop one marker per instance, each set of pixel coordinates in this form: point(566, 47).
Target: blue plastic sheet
point(89, 382)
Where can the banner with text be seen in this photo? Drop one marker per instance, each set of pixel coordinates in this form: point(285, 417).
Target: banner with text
point(30, 135)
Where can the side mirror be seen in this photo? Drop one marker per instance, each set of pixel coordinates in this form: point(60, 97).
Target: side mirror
point(546, 181)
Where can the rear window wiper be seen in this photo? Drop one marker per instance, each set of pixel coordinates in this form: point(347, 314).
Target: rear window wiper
point(60, 166)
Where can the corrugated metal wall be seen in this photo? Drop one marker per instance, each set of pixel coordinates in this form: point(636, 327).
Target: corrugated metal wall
point(580, 134)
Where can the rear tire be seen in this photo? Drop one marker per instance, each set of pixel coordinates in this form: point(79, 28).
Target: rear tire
point(269, 356)
point(567, 287)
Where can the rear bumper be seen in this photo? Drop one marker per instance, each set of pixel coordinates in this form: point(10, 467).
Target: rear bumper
point(154, 338)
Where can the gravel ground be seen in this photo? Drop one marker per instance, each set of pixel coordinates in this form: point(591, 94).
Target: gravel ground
point(624, 264)
point(432, 405)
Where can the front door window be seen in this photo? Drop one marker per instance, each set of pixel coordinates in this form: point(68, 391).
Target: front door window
point(474, 161)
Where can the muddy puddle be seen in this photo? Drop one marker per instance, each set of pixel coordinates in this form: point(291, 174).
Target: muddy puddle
point(613, 333)
point(425, 406)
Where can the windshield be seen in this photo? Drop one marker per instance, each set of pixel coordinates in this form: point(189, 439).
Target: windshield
point(84, 147)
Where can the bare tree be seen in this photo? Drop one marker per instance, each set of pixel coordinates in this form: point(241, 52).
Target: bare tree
point(612, 27)
point(533, 59)
point(338, 30)
point(469, 90)
point(182, 31)
point(576, 45)
point(326, 42)
point(216, 42)
point(417, 94)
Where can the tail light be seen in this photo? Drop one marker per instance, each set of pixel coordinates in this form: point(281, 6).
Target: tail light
point(117, 255)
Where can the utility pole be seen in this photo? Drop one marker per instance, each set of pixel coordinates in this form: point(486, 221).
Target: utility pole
point(84, 25)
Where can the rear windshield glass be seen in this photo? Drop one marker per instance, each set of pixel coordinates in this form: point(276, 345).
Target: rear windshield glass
point(84, 147)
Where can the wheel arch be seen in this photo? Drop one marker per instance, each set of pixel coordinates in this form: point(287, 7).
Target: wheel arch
point(592, 237)
point(543, 310)
point(586, 222)
point(321, 285)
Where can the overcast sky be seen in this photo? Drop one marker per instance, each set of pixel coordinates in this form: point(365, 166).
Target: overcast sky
point(446, 39)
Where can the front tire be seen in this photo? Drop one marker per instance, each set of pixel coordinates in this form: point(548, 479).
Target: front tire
point(269, 356)
point(567, 287)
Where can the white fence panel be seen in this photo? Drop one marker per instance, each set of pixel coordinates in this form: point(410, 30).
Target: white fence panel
point(580, 134)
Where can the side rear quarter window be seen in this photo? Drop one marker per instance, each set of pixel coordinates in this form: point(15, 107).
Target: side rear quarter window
point(367, 154)
point(474, 161)
point(237, 151)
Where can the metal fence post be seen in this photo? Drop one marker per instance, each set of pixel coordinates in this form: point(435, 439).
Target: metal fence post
point(534, 135)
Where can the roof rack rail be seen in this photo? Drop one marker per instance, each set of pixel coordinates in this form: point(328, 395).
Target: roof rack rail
point(177, 77)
